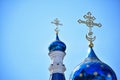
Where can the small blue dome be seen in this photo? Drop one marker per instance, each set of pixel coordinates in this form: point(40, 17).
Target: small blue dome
point(93, 69)
point(57, 45)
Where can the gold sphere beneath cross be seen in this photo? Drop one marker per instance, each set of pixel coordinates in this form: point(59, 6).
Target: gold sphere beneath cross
point(91, 44)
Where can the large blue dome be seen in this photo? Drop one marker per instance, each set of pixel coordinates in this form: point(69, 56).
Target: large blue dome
point(93, 69)
point(57, 45)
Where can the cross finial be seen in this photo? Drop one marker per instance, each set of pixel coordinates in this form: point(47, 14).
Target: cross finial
point(89, 22)
point(57, 23)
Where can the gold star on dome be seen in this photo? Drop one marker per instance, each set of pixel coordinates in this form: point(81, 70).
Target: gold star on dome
point(108, 75)
point(95, 73)
point(81, 74)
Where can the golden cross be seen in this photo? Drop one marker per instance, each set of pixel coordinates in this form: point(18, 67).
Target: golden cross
point(57, 23)
point(89, 22)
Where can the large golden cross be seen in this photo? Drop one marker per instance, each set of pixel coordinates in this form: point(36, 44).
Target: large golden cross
point(89, 22)
point(57, 23)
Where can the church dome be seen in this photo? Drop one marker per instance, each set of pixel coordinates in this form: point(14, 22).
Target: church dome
point(93, 69)
point(57, 45)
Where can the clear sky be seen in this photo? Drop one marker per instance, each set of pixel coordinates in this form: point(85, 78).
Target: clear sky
point(26, 32)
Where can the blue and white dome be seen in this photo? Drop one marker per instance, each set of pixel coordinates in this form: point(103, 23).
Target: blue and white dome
point(57, 45)
point(93, 69)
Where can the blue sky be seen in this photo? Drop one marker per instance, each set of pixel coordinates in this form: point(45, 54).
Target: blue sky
point(26, 32)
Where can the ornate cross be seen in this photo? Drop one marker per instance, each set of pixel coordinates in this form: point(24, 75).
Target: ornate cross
point(89, 22)
point(57, 23)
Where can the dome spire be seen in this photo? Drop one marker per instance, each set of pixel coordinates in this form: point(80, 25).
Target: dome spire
point(57, 24)
point(89, 22)
point(57, 44)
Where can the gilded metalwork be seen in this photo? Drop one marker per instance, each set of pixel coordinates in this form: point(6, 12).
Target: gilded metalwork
point(57, 23)
point(89, 22)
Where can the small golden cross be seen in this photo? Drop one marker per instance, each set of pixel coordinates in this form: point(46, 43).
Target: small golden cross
point(89, 22)
point(57, 23)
